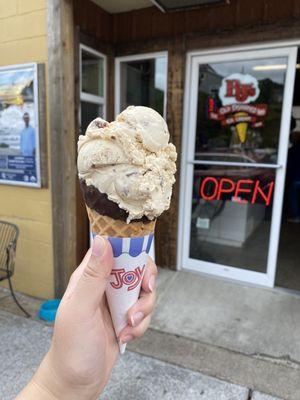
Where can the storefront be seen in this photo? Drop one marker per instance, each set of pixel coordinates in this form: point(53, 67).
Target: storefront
point(223, 76)
point(238, 106)
point(228, 99)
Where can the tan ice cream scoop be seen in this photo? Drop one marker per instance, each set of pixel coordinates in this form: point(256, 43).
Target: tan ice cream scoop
point(151, 128)
point(131, 161)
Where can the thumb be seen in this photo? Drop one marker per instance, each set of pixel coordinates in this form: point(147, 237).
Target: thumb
point(93, 280)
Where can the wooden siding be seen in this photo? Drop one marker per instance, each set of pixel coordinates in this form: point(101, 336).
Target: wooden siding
point(167, 225)
point(63, 139)
point(93, 20)
point(150, 23)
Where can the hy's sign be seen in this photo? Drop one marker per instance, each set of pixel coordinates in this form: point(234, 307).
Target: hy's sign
point(239, 88)
point(236, 93)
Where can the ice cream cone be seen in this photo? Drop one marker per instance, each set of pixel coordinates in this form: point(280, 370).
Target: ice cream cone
point(131, 244)
point(241, 127)
point(126, 170)
point(107, 226)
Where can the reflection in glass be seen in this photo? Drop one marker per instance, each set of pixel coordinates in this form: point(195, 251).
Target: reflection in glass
point(92, 74)
point(231, 215)
point(89, 111)
point(239, 110)
point(143, 83)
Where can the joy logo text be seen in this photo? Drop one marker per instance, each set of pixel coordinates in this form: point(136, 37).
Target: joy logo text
point(129, 278)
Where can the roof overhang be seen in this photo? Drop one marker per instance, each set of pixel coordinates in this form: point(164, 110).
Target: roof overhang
point(119, 6)
point(177, 5)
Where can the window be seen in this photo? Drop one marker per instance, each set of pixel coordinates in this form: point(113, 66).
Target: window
point(92, 86)
point(142, 80)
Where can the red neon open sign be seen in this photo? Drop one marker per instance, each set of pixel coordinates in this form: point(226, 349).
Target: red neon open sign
point(214, 189)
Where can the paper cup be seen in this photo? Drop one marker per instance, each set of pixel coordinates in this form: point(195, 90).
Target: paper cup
point(123, 288)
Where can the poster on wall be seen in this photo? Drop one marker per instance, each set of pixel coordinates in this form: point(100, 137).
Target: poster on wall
point(19, 126)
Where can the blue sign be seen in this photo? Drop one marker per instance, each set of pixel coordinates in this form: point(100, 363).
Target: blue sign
point(18, 169)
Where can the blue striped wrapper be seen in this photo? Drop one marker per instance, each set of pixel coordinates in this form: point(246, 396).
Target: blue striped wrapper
point(132, 246)
point(123, 287)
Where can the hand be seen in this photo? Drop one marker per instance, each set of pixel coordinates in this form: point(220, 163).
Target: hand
point(84, 347)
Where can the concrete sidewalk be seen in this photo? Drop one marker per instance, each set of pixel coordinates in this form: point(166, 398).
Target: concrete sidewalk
point(255, 321)
point(24, 342)
point(246, 335)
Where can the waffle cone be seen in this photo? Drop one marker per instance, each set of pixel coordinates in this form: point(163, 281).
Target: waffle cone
point(107, 226)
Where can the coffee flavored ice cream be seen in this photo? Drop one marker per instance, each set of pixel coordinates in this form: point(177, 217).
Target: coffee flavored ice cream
point(126, 167)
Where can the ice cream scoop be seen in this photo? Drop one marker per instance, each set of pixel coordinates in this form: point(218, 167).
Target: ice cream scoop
point(151, 128)
point(130, 161)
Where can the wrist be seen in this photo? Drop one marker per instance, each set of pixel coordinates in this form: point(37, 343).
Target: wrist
point(34, 391)
point(42, 385)
point(55, 386)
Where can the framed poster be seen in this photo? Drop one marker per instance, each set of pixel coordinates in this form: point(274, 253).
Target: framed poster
point(22, 116)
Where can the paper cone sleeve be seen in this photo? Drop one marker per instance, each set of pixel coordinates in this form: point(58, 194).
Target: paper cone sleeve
point(120, 300)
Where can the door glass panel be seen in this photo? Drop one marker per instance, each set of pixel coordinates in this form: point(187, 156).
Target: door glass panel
point(92, 74)
point(89, 111)
point(143, 83)
point(239, 110)
point(231, 215)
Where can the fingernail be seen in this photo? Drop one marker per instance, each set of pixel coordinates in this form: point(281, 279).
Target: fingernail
point(126, 339)
point(137, 318)
point(98, 246)
point(151, 284)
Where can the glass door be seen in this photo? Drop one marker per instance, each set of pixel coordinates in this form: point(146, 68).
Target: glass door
point(237, 125)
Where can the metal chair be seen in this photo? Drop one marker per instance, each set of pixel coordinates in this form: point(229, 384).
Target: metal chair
point(8, 244)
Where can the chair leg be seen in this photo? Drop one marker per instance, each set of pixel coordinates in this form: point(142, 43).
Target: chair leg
point(16, 300)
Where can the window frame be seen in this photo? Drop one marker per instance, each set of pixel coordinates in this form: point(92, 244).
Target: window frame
point(88, 97)
point(137, 57)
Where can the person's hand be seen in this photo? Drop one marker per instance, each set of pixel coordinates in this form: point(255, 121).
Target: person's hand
point(84, 347)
